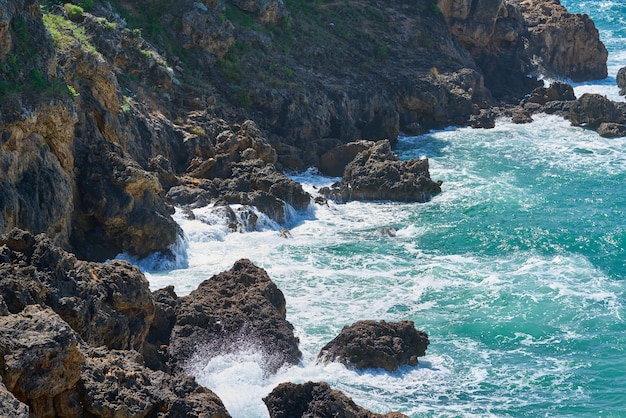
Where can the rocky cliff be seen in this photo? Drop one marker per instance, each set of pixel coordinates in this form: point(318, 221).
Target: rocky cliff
point(112, 111)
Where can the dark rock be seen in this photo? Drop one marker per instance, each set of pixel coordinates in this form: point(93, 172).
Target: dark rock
point(117, 384)
point(378, 174)
point(611, 130)
point(238, 307)
point(106, 304)
point(40, 359)
point(563, 44)
point(621, 80)
point(372, 344)
point(520, 115)
point(291, 400)
point(334, 162)
point(10, 407)
point(593, 110)
point(154, 352)
point(485, 119)
point(557, 91)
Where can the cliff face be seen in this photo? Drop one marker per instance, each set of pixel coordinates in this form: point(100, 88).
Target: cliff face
point(104, 110)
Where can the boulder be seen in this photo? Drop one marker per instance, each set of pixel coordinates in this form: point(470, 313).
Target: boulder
point(291, 400)
point(557, 91)
point(333, 163)
point(611, 130)
point(621, 80)
point(106, 304)
point(117, 384)
point(377, 344)
point(563, 44)
point(237, 308)
point(594, 109)
point(40, 358)
point(378, 174)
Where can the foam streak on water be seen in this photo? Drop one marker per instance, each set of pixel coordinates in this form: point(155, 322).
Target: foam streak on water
point(516, 271)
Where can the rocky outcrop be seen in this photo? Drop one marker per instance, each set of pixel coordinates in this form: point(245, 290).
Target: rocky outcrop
point(594, 109)
point(378, 174)
point(238, 308)
point(372, 344)
point(40, 360)
point(315, 400)
point(563, 44)
point(106, 304)
point(54, 310)
point(334, 162)
point(117, 384)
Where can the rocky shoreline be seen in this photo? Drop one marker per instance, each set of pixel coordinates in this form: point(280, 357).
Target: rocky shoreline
point(110, 116)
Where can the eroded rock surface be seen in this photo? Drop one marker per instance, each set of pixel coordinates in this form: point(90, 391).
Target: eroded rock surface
point(290, 400)
point(378, 174)
point(377, 344)
point(237, 309)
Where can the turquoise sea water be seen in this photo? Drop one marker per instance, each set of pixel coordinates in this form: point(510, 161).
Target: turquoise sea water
point(516, 271)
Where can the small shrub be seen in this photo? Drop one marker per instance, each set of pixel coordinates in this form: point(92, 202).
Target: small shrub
point(74, 12)
point(435, 9)
point(196, 130)
point(72, 92)
point(126, 104)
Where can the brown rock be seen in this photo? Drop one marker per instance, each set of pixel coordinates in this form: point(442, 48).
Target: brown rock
point(40, 358)
point(116, 384)
point(290, 400)
point(565, 44)
point(238, 307)
point(106, 304)
point(593, 110)
point(334, 162)
point(378, 174)
point(611, 130)
point(371, 344)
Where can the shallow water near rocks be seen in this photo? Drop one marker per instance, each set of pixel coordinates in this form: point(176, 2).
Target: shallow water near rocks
point(516, 271)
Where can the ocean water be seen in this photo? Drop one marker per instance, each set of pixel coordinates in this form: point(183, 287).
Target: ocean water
point(517, 271)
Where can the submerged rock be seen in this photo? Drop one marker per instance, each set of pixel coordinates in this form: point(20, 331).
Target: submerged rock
point(291, 400)
point(378, 174)
point(372, 344)
point(621, 80)
point(236, 309)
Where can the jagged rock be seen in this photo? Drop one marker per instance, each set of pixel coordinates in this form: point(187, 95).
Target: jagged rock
point(291, 400)
point(334, 162)
point(593, 110)
point(203, 30)
point(10, 407)
point(106, 304)
point(132, 218)
point(564, 44)
point(372, 344)
point(269, 11)
point(520, 115)
point(40, 358)
point(238, 308)
point(378, 174)
point(154, 352)
point(611, 130)
point(117, 384)
point(621, 80)
point(485, 119)
point(557, 91)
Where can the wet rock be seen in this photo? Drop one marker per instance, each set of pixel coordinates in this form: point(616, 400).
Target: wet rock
point(372, 344)
point(594, 109)
point(557, 91)
point(520, 115)
point(485, 119)
point(621, 80)
point(106, 304)
point(291, 400)
point(378, 174)
point(238, 308)
point(117, 384)
point(611, 130)
point(333, 162)
point(40, 359)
